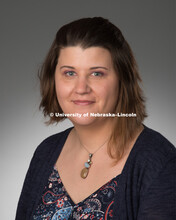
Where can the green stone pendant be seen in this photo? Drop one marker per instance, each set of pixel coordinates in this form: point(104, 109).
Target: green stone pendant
point(85, 170)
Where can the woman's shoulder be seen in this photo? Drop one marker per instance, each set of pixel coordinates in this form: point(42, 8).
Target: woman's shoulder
point(52, 142)
point(153, 142)
point(152, 150)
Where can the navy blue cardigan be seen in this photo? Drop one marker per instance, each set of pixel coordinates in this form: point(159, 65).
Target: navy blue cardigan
point(146, 188)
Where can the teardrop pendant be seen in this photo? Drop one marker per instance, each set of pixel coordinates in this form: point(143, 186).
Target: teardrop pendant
point(85, 170)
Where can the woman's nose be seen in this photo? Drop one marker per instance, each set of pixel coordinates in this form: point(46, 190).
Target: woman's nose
point(82, 86)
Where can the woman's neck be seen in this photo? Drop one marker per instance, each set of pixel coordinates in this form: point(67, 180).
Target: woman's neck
point(94, 135)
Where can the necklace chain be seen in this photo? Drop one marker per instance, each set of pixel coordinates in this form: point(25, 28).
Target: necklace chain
point(96, 149)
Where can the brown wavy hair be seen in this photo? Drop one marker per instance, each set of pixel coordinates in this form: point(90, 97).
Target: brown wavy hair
point(100, 32)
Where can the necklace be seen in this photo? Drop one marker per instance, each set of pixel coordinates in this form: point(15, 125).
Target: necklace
point(85, 170)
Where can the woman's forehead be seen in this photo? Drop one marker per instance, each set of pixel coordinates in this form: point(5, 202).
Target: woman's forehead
point(92, 56)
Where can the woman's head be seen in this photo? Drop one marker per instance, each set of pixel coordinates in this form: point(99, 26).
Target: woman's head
point(86, 83)
point(97, 32)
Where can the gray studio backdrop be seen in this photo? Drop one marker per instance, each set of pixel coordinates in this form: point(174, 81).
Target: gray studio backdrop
point(27, 30)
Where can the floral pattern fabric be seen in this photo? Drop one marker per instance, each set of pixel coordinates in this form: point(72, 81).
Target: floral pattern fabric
point(56, 204)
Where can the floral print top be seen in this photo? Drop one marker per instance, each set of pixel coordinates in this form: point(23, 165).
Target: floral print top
point(56, 204)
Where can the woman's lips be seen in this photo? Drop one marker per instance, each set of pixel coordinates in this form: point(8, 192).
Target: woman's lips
point(82, 102)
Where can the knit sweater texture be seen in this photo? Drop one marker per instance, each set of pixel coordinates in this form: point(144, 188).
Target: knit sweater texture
point(146, 188)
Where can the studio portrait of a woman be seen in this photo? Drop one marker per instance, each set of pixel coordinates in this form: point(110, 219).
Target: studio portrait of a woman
point(109, 165)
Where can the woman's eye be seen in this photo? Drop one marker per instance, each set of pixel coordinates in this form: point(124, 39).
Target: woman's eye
point(97, 74)
point(69, 73)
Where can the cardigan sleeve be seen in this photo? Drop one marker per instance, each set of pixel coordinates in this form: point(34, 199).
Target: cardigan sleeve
point(158, 202)
point(32, 180)
point(31, 183)
point(25, 196)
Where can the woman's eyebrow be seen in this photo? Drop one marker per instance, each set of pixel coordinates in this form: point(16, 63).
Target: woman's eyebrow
point(92, 68)
point(98, 67)
point(71, 67)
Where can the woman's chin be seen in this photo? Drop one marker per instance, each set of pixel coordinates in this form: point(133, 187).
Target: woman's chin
point(84, 121)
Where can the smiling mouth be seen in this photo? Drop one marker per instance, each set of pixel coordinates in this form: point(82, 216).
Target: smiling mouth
point(83, 102)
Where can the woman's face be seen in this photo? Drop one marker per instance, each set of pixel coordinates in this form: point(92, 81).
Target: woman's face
point(86, 83)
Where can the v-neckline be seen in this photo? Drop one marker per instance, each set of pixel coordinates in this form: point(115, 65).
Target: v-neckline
point(82, 201)
point(121, 174)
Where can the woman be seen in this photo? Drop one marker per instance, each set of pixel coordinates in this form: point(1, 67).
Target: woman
point(109, 165)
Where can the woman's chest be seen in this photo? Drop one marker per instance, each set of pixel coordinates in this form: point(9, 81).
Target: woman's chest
point(56, 203)
point(80, 188)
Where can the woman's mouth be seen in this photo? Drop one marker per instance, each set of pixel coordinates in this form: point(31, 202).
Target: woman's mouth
point(83, 102)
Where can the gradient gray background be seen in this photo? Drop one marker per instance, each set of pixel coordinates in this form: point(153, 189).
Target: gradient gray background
point(27, 30)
